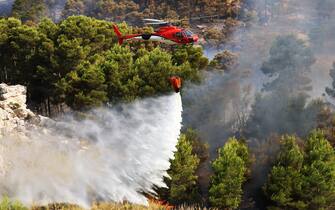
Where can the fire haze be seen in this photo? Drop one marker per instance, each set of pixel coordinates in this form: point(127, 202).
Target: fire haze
point(226, 99)
point(112, 155)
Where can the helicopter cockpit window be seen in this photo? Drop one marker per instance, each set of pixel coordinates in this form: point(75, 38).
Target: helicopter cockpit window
point(188, 33)
point(179, 35)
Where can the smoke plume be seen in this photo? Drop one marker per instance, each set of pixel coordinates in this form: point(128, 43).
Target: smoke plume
point(224, 97)
point(56, 8)
point(113, 154)
point(6, 7)
point(233, 102)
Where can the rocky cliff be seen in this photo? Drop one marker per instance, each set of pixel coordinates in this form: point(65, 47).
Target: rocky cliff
point(15, 118)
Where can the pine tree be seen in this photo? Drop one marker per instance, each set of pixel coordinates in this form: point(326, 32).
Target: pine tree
point(183, 180)
point(55, 61)
point(199, 148)
point(230, 169)
point(31, 10)
point(285, 179)
point(84, 87)
point(122, 80)
point(319, 172)
point(303, 179)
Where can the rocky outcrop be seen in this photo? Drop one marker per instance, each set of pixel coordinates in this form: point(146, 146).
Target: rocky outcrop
point(14, 115)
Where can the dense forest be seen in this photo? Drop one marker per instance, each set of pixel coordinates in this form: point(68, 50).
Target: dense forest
point(276, 152)
point(130, 11)
point(78, 62)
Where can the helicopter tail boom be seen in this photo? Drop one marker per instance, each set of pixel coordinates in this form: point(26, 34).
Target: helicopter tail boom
point(118, 34)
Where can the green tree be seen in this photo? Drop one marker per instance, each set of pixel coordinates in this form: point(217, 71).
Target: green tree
point(154, 69)
point(319, 172)
point(191, 60)
point(17, 47)
point(121, 78)
point(199, 148)
point(133, 11)
point(84, 87)
point(51, 60)
point(130, 74)
point(27, 55)
point(92, 34)
point(190, 154)
point(183, 180)
point(44, 66)
point(230, 169)
point(303, 178)
point(31, 10)
point(284, 185)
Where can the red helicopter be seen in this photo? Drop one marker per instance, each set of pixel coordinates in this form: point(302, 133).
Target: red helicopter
point(166, 33)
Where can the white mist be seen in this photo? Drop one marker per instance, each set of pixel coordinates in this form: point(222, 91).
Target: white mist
point(112, 156)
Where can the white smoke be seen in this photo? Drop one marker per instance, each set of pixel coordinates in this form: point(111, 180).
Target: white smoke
point(57, 9)
point(112, 156)
point(6, 7)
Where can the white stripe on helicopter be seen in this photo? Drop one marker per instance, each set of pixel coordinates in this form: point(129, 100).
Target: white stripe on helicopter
point(155, 38)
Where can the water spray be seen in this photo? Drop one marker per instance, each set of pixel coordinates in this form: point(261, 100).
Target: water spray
point(114, 154)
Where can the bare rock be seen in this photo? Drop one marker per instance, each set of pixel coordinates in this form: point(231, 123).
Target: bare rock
point(14, 115)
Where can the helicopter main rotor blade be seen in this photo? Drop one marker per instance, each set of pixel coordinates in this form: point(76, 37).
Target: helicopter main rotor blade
point(153, 20)
point(163, 23)
point(204, 17)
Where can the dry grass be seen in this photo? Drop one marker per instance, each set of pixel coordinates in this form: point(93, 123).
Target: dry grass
point(103, 206)
point(6, 204)
point(116, 206)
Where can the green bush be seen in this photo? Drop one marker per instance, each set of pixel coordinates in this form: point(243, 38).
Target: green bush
point(6, 204)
